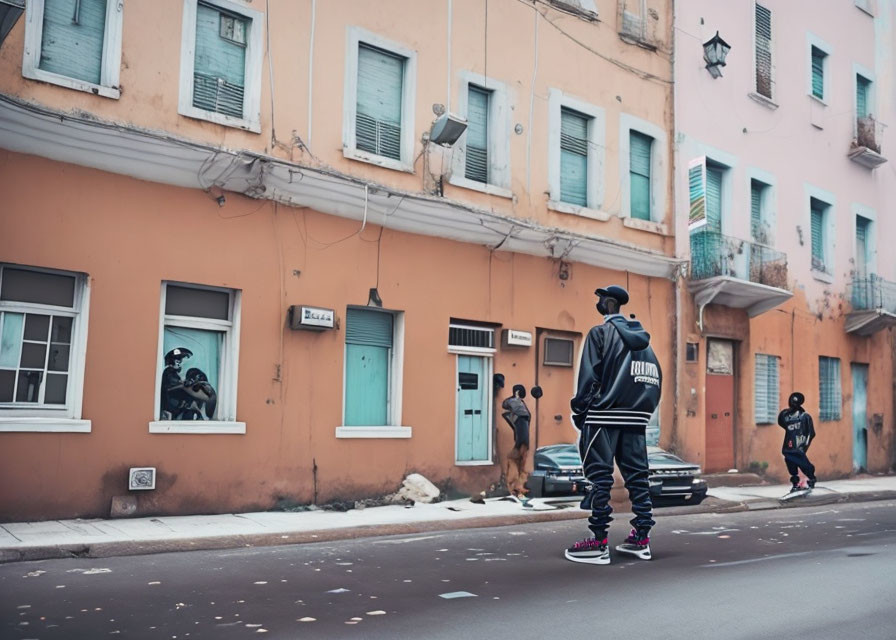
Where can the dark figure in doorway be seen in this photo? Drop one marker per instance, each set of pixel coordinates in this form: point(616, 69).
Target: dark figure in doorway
point(616, 394)
point(517, 415)
point(799, 432)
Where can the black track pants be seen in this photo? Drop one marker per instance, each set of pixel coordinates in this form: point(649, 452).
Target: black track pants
point(598, 447)
point(795, 460)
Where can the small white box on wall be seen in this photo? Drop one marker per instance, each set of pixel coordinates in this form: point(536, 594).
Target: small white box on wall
point(142, 478)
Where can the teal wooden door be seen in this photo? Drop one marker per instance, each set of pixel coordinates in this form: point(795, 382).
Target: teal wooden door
point(472, 419)
point(859, 416)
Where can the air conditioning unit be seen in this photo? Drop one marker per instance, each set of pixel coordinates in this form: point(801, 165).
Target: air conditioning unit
point(142, 478)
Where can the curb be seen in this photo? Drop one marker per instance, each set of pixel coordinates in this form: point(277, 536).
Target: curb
point(211, 543)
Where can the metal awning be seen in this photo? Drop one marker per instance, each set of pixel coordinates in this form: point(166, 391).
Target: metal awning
point(864, 323)
point(732, 292)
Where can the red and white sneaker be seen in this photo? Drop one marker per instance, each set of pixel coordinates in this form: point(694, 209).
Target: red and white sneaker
point(636, 545)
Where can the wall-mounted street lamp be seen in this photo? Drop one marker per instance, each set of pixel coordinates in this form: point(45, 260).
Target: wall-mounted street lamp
point(714, 51)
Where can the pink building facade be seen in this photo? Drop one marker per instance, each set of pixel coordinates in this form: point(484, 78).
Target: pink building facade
point(784, 187)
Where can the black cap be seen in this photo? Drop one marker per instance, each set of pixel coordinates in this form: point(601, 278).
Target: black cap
point(797, 398)
point(613, 291)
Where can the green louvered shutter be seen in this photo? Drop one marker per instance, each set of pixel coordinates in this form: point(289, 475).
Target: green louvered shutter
point(763, 51)
point(573, 157)
point(639, 168)
point(862, 86)
point(368, 346)
point(829, 392)
point(861, 246)
point(818, 72)
point(755, 209)
point(72, 39)
point(765, 389)
point(219, 71)
point(714, 199)
point(378, 118)
point(477, 135)
point(817, 230)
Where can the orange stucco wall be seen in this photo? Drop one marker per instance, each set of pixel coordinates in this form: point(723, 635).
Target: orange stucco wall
point(798, 333)
point(129, 236)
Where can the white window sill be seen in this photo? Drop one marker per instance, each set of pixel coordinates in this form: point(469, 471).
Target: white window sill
point(197, 426)
point(219, 118)
point(491, 189)
point(474, 351)
point(761, 99)
point(822, 276)
point(373, 432)
point(816, 99)
point(585, 212)
point(473, 463)
point(44, 425)
point(380, 161)
point(646, 225)
point(72, 83)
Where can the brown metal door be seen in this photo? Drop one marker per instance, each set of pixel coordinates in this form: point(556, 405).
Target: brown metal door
point(719, 405)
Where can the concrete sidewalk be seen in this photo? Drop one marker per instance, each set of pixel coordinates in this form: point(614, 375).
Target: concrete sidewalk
point(104, 538)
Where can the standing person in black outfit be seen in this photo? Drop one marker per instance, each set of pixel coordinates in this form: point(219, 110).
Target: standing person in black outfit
point(617, 392)
point(799, 432)
point(518, 416)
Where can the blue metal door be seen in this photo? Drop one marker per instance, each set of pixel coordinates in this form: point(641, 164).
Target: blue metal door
point(472, 420)
point(859, 416)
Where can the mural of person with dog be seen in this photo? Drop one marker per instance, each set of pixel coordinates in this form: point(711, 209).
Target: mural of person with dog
point(189, 398)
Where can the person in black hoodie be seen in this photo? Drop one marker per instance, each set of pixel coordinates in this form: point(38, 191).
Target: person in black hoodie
point(798, 435)
point(618, 390)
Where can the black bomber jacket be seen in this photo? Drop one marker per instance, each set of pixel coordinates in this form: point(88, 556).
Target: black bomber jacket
point(620, 379)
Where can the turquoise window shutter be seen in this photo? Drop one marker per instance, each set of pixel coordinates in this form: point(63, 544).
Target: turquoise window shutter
point(219, 71)
point(378, 117)
point(861, 246)
point(72, 38)
point(639, 169)
point(714, 199)
point(817, 230)
point(368, 338)
point(829, 392)
point(573, 157)
point(862, 86)
point(477, 134)
point(818, 72)
point(760, 389)
point(756, 210)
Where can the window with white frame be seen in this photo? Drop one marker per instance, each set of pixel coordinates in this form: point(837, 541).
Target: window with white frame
point(642, 167)
point(372, 368)
point(763, 50)
point(220, 76)
point(766, 388)
point(577, 138)
point(380, 79)
point(481, 156)
point(43, 334)
point(74, 43)
point(198, 355)
point(830, 395)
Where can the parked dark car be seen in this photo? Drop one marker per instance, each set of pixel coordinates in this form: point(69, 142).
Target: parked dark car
point(558, 472)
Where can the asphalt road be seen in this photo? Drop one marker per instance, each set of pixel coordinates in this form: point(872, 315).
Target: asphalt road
point(815, 572)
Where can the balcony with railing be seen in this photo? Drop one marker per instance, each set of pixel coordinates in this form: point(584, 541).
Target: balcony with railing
point(873, 302)
point(736, 273)
point(866, 147)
